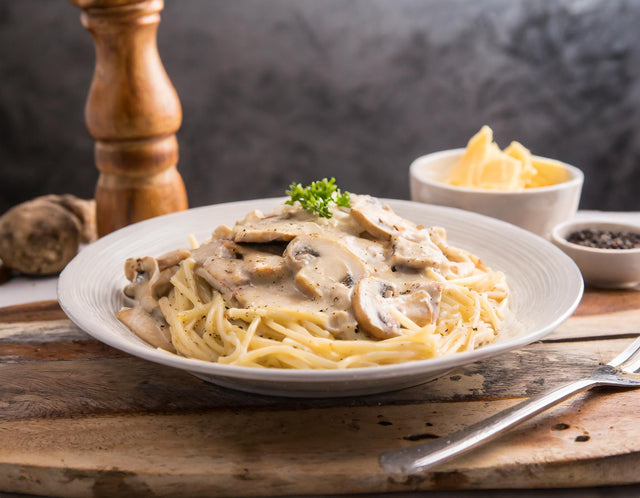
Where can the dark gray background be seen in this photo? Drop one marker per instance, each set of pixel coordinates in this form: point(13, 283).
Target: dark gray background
point(282, 90)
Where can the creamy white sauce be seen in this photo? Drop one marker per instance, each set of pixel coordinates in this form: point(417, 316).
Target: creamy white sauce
point(292, 259)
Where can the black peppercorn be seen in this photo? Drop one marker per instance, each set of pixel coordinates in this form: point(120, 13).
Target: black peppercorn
point(605, 239)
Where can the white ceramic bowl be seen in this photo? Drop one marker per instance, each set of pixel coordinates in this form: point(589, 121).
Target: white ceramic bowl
point(545, 287)
point(537, 210)
point(608, 268)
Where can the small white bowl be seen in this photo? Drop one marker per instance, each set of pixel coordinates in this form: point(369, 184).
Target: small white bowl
point(537, 209)
point(608, 268)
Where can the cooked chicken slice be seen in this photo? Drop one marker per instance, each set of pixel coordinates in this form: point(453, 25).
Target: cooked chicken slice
point(375, 300)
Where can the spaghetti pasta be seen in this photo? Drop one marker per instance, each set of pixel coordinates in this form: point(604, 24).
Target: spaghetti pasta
point(291, 290)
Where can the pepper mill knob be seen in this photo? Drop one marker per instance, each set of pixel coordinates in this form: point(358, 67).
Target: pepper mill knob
point(132, 112)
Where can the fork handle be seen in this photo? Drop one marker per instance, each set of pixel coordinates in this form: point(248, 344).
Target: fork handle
point(408, 461)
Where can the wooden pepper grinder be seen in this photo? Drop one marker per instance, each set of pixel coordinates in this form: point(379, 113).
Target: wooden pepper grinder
point(133, 113)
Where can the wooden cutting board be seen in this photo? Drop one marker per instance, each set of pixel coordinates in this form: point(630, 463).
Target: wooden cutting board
point(78, 418)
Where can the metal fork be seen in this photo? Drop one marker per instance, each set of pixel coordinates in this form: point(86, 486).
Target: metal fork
point(414, 459)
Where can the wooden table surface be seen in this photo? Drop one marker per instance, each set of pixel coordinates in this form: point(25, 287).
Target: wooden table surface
point(78, 418)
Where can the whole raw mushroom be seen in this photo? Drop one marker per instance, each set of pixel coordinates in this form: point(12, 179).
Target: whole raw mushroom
point(39, 237)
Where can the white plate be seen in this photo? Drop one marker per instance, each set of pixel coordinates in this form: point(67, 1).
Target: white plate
point(546, 286)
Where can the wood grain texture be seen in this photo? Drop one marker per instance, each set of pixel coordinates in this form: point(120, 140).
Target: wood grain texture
point(256, 452)
point(600, 301)
point(78, 418)
point(133, 113)
point(41, 310)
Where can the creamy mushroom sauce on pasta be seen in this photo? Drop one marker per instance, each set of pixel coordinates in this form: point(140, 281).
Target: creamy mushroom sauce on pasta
point(289, 289)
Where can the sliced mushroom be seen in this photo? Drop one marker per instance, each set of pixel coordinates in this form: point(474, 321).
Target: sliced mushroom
point(143, 273)
point(263, 265)
point(139, 269)
point(415, 250)
point(231, 268)
point(172, 258)
point(459, 263)
point(222, 232)
point(216, 248)
point(377, 218)
point(148, 285)
point(420, 302)
point(226, 275)
point(322, 265)
point(148, 328)
point(374, 301)
point(282, 227)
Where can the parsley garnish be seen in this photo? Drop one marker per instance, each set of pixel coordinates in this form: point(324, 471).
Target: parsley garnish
point(316, 196)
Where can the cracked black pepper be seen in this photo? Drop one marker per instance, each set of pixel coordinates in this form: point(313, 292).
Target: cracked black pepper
point(605, 239)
